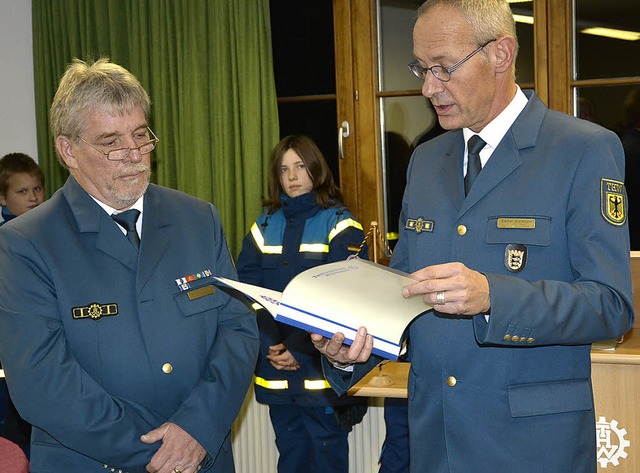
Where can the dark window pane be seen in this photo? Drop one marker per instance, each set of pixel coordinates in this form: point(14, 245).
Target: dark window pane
point(396, 20)
point(618, 108)
point(601, 57)
point(409, 121)
point(603, 104)
point(316, 120)
point(303, 52)
point(525, 59)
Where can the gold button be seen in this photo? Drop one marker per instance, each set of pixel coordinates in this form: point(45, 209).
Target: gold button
point(167, 368)
point(462, 230)
point(515, 338)
point(531, 340)
point(523, 339)
point(451, 381)
point(507, 337)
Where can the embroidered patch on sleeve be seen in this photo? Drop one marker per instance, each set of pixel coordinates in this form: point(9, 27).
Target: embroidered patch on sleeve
point(613, 201)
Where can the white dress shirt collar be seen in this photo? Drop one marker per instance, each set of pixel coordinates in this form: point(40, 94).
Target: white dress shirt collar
point(139, 205)
point(493, 133)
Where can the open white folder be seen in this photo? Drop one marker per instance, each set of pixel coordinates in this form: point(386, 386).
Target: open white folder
point(341, 297)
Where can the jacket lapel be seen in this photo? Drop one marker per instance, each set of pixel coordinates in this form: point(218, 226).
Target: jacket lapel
point(450, 171)
point(506, 157)
point(92, 219)
point(155, 239)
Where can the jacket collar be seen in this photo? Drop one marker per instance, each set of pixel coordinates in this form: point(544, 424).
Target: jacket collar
point(505, 159)
point(91, 218)
point(302, 206)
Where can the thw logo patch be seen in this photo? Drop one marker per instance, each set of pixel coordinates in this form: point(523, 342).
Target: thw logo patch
point(613, 201)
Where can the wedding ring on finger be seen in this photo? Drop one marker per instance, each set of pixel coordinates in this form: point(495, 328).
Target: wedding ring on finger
point(440, 298)
point(176, 470)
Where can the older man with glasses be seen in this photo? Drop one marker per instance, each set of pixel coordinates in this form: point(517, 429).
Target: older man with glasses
point(526, 260)
point(115, 343)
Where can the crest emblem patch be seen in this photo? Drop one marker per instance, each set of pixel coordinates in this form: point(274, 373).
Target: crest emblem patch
point(95, 311)
point(613, 201)
point(515, 257)
point(419, 225)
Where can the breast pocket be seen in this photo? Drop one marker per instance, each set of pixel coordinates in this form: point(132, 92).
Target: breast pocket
point(201, 296)
point(270, 262)
point(556, 397)
point(311, 259)
point(524, 230)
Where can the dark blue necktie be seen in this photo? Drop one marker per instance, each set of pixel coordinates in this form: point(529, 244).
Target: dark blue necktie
point(127, 220)
point(474, 166)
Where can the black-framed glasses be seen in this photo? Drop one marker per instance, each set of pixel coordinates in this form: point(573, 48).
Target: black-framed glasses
point(442, 73)
point(123, 153)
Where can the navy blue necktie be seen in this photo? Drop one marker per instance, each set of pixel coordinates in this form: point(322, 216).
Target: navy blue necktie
point(474, 166)
point(127, 220)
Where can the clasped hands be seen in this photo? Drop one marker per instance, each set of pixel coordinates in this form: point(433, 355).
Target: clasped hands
point(451, 288)
point(281, 358)
point(179, 450)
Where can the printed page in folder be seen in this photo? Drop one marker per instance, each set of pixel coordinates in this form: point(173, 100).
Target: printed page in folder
point(341, 297)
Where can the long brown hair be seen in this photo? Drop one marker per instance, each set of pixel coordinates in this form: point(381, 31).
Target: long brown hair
point(327, 193)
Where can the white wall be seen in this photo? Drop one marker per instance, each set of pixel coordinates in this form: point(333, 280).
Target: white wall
point(17, 101)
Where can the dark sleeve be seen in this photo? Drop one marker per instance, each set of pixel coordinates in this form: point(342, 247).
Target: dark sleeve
point(250, 271)
point(347, 243)
point(249, 263)
point(341, 380)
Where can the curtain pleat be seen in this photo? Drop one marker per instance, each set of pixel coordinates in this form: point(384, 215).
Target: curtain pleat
point(207, 66)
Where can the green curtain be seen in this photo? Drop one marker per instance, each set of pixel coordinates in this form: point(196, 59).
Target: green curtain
point(207, 66)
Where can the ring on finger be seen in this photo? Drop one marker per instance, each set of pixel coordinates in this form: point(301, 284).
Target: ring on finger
point(440, 298)
point(177, 470)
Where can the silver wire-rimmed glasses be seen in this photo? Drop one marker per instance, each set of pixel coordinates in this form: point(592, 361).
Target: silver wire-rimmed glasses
point(442, 73)
point(123, 153)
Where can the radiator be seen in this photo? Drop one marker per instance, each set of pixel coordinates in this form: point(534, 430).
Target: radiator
point(254, 445)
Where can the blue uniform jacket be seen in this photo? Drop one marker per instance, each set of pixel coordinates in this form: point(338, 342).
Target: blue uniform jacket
point(297, 237)
point(100, 346)
point(4, 393)
point(514, 394)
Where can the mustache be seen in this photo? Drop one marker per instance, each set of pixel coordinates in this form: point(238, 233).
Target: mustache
point(135, 168)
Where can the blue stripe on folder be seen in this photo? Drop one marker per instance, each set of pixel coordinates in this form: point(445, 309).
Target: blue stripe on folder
point(347, 331)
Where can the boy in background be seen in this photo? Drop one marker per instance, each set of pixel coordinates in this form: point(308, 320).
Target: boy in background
point(21, 185)
point(21, 189)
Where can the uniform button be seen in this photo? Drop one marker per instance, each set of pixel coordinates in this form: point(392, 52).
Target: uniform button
point(462, 230)
point(451, 381)
point(285, 262)
point(515, 338)
point(531, 340)
point(523, 339)
point(507, 337)
point(167, 368)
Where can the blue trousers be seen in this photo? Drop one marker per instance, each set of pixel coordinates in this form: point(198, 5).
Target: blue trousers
point(4, 403)
point(394, 457)
point(309, 439)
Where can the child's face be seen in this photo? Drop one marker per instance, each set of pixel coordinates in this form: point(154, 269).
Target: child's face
point(24, 192)
point(294, 176)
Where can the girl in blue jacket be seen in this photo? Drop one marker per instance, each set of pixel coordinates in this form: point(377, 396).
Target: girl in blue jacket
point(305, 224)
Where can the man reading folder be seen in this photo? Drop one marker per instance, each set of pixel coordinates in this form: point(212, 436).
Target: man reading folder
point(340, 297)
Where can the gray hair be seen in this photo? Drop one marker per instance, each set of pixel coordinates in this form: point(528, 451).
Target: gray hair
point(489, 19)
point(100, 85)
